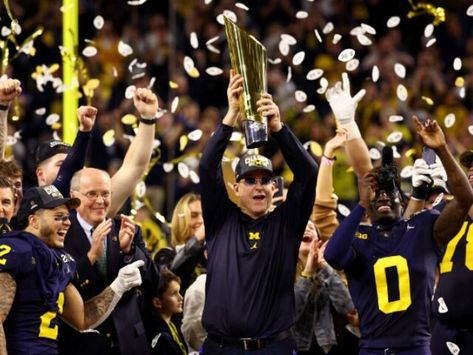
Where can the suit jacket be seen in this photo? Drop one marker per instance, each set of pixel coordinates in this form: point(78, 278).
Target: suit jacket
point(124, 328)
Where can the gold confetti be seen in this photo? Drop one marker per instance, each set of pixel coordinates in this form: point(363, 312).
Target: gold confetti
point(108, 138)
point(183, 140)
point(410, 152)
point(427, 100)
point(459, 82)
point(425, 8)
point(173, 85)
point(129, 119)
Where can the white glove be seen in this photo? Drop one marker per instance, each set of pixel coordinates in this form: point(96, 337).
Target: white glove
point(341, 102)
point(128, 277)
point(439, 175)
point(421, 179)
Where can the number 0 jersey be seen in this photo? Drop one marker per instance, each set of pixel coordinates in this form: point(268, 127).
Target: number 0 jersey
point(453, 302)
point(391, 282)
point(41, 276)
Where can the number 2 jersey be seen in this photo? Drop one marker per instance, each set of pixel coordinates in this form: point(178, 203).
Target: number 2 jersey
point(390, 278)
point(41, 275)
point(453, 302)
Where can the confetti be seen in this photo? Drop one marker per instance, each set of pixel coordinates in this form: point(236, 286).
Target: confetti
point(328, 28)
point(343, 210)
point(124, 49)
point(346, 55)
point(336, 38)
point(462, 93)
point(317, 35)
point(136, 2)
point(452, 347)
point(167, 167)
point(428, 30)
point(395, 118)
point(457, 64)
point(393, 21)
point(352, 64)
point(40, 111)
point(401, 92)
point(188, 64)
point(470, 129)
point(5, 31)
point(195, 135)
point(323, 86)
point(289, 74)
point(89, 51)
point(194, 177)
point(430, 42)
point(242, 6)
point(212, 40)
point(174, 104)
point(284, 48)
point(275, 60)
point(129, 119)
point(356, 31)
point(459, 82)
point(183, 170)
point(406, 172)
point(213, 71)
point(98, 22)
point(302, 14)
point(375, 154)
point(206, 2)
point(108, 138)
point(52, 119)
point(469, 11)
point(400, 70)
point(236, 136)
point(375, 73)
point(314, 74)
point(213, 49)
point(298, 58)
point(11, 140)
point(130, 91)
point(364, 40)
point(15, 27)
point(394, 137)
point(194, 41)
point(368, 29)
point(183, 140)
point(449, 120)
point(427, 100)
point(310, 108)
point(291, 40)
point(300, 96)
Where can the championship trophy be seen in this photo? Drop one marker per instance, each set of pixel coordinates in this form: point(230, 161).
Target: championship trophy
point(249, 59)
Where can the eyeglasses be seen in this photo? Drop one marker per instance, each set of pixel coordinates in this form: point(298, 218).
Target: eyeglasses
point(93, 195)
point(251, 181)
point(61, 218)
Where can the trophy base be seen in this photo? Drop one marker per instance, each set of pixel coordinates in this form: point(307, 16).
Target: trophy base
point(256, 133)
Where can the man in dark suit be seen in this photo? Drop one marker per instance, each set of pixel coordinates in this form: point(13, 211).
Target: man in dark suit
point(100, 247)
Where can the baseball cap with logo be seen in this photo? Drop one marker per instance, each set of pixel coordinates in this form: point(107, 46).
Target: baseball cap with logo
point(48, 149)
point(252, 162)
point(466, 158)
point(44, 197)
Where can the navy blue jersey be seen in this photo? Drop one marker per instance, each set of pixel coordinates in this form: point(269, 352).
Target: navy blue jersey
point(41, 276)
point(453, 302)
point(391, 281)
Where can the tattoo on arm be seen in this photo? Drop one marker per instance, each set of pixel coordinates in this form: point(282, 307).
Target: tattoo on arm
point(97, 307)
point(7, 290)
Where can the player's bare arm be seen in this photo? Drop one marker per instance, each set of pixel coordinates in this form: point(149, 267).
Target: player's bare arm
point(7, 290)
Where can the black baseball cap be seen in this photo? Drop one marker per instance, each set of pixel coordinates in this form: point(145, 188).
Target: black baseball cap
point(252, 162)
point(44, 197)
point(466, 158)
point(48, 149)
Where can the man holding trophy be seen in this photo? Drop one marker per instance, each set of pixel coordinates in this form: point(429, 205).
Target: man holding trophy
point(252, 252)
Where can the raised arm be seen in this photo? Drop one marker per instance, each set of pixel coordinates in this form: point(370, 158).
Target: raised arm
point(453, 215)
point(84, 315)
point(8, 291)
point(9, 89)
point(139, 153)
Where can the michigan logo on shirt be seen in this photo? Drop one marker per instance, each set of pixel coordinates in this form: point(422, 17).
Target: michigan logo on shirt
point(254, 238)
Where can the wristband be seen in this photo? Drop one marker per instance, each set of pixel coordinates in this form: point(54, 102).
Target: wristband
point(148, 121)
point(327, 161)
point(4, 107)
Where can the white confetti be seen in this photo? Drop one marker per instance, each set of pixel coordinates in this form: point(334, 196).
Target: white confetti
point(375, 154)
point(174, 104)
point(400, 70)
point(346, 55)
point(167, 167)
point(336, 38)
point(183, 170)
point(242, 6)
point(298, 58)
point(195, 135)
point(114, 72)
point(449, 120)
point(52, 119)
point(56, 136)
point(275, 60)
point(194, 40)
point(206, 2)
point(212, 40)
point(300, 96)
point(194, 177)
point(5, 31)
point(442, 306)
point(393, 21)
point(213, 49)
point(430, 42)
point(356, 31)
point(98, 22)
point(289, 39)
point(308, 108)
point(130, 91)
point(394, 137)
point(328, 28)
point(368, 29)
point(469, 11)
point(364, 40)
point(406, 172)
point(343, 210)
point(188, 64)
point(289, 74)
point(453, 348)
point(89, 51)
point(140, 189)
point(40, 111)
point(457, 64)
point(470, 129)
point(462, 93)
point(428, 30)
point(284, 48)
point(323, 86)
point(396, 154)
point(352, 64)
point(401, 92)
point(302, 14)
point(236, 136)
point(124, 49)
point(375, 73)
point(314, 74)
point(136, 2)
point(15, 27)
point(214, 71)
point(230, 14)
point(395, 118)
point(317, 35)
